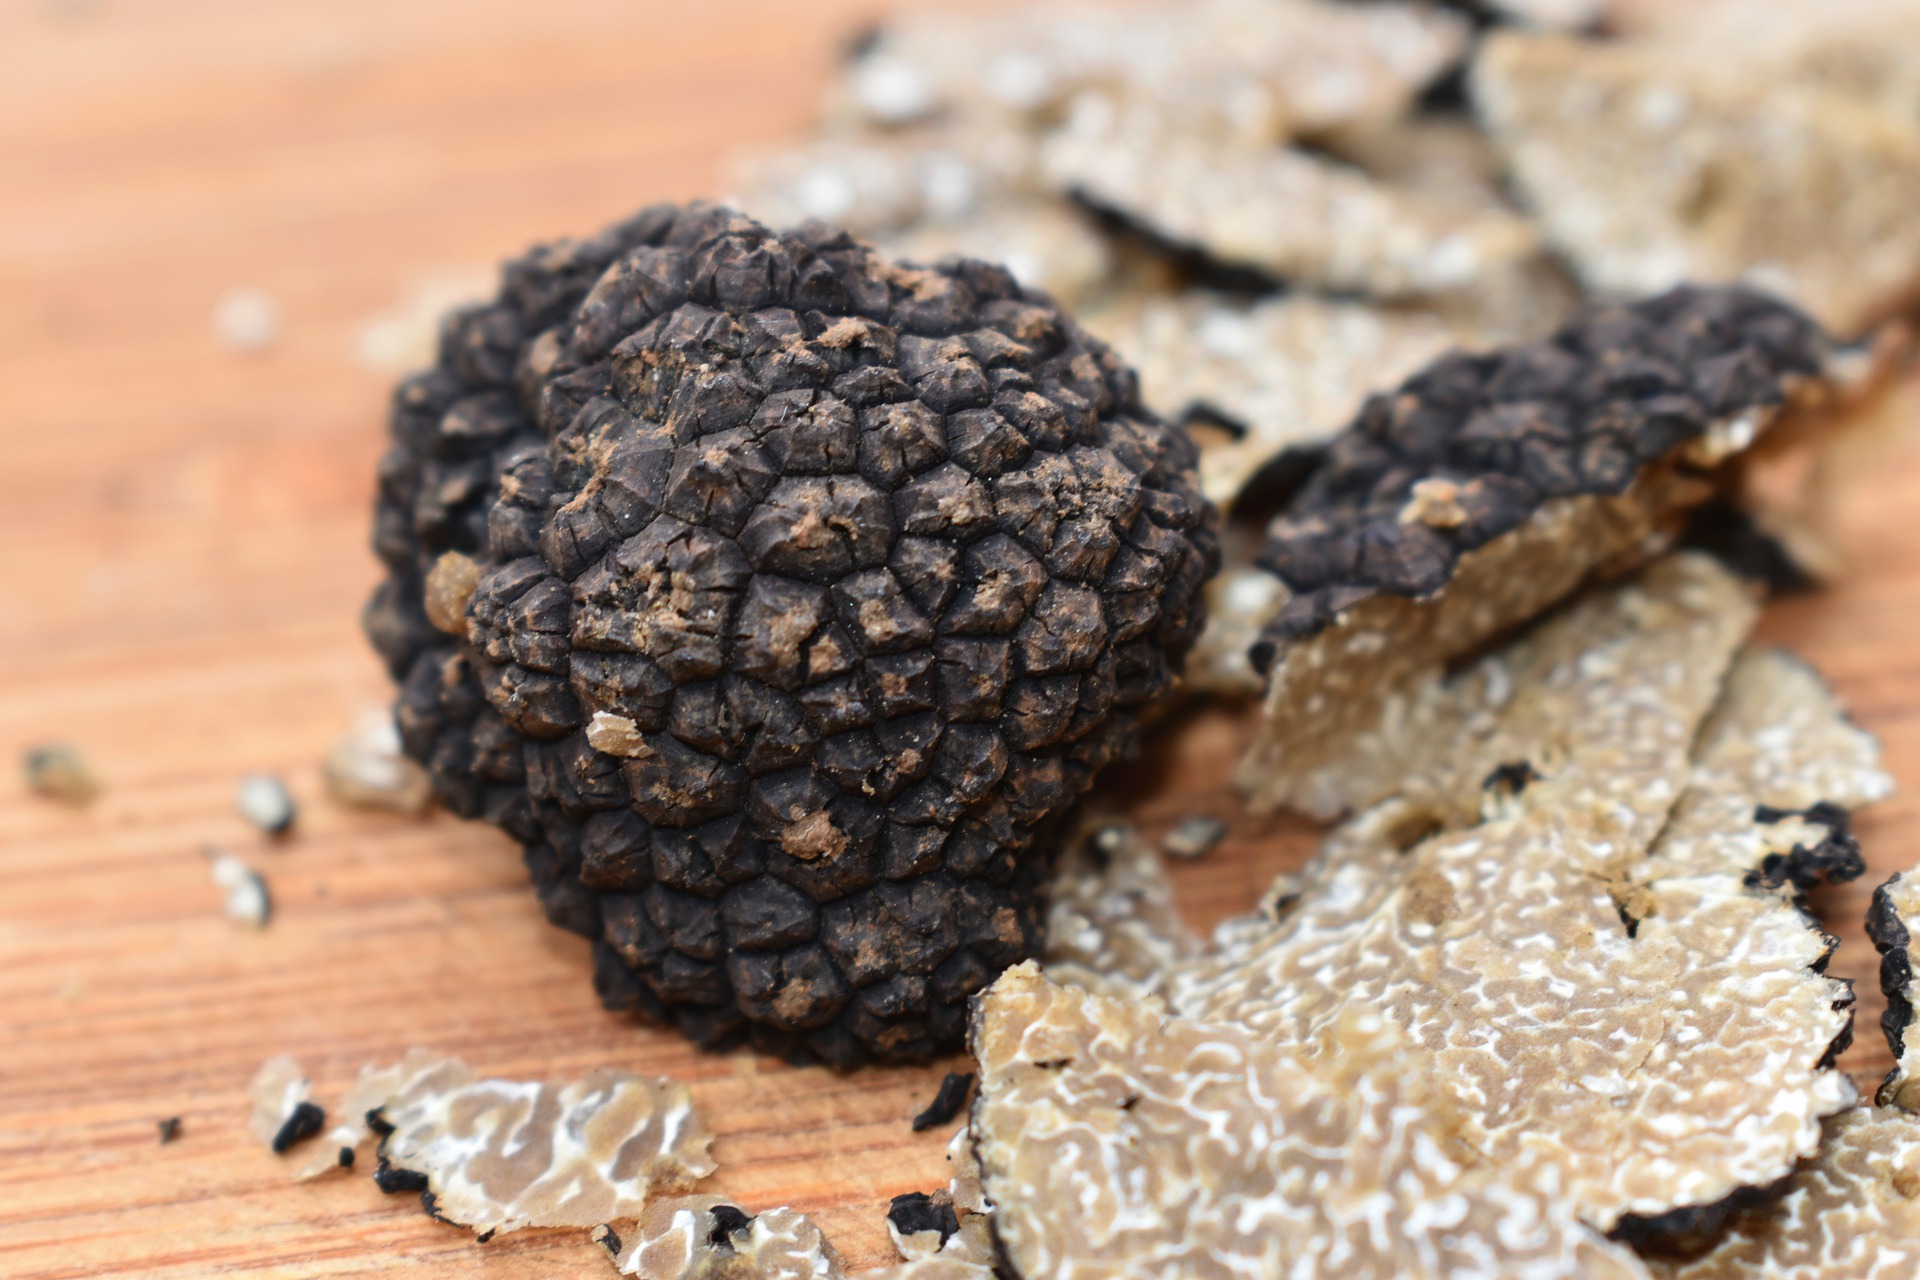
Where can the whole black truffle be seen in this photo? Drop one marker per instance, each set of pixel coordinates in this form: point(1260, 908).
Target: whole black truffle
point(781, 599)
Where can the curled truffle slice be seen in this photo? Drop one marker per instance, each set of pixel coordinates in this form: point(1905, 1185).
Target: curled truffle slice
point(707, 1238)
point(497, 1155)
point(1117, 1141)
point(1597, 971)
point(1892, 921)
point(1489, 487)
point(1850, 1213)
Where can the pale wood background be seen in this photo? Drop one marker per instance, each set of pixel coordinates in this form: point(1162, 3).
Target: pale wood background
point(182, 558)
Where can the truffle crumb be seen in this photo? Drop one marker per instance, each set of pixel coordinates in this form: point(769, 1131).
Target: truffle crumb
point(247, 319)
point(278, 1090)
point(450, 586)
point(705, 1238)
point(60, 772)
point(264, 801)
point(606, 1237)
point(306, 1120)
point(169, 1129)
point(246, 898)
point(345, 1158)
point(916, 1211)
point(365, 769)
point(1194, 837)
point(947, 1102)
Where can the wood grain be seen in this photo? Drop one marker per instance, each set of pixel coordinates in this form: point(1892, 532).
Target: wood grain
point(182, 558)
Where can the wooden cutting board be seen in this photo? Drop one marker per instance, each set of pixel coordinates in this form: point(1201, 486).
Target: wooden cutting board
point(182, 558)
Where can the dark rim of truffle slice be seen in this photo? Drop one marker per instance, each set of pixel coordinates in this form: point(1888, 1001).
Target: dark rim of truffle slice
point(787, 598)
point(1834, 859)
point(1891, 938)
point(947, 1101)
point(1582, 413)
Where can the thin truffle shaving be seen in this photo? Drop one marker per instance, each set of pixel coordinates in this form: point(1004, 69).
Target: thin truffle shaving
point(1851, 1213)
point(1117, 1141)
point(706, 1238)
point(1632, 1006)
point(502, 1154)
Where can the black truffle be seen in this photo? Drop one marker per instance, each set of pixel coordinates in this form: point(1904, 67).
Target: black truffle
point(781, 599)
point(947, 1101)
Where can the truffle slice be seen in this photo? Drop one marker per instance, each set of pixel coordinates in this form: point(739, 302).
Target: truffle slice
point(1118, 1141)
point(1599, 976)
point(707, 1238)
point(1112, 926)
point(497, 1155)
point(1489, 487)
point(1655, 163)
point(1850, 1213)
point(1255, 70)
point(835, 585)
point(1265, 377)
point(1289, 214)
point(1892, 922)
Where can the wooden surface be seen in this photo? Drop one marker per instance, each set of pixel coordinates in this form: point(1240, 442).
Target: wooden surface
point(182, 558)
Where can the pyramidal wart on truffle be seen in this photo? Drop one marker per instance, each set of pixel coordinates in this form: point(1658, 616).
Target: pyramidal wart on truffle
point(780, 598)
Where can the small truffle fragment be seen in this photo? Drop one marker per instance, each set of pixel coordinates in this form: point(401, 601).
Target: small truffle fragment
point(1290, 214)
point(1113, 926)
point(1194, 837)
point(813, 588)
point(1489, 487)
point(1892, 921)
point(246, 898)
point(947, 1102)
point(247, 319)
point(1850, 1213)
point(498, 1155)
point(1655, 163)
point(169, 1129)
point(1600, 980)
point(937, 1244)
point(365, 770)
point(279, 1090)
point(264, 801)
point(705, 1238)
point(1118, 1141)
point(60, 772)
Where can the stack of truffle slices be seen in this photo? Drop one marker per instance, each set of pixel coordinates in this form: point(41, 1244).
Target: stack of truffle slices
point(781, 600)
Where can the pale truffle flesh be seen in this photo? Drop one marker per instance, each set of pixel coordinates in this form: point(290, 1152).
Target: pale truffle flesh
point(1850, 1213)
point(708, 1238)
point(502, 1154)
point(1626, 1001)
point(1117, 1141)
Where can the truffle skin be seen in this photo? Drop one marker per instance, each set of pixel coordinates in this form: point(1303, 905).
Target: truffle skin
point(811, 590)
point(947, 1102)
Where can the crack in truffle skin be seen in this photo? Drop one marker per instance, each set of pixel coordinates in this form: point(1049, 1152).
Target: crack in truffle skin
point(812, 589)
